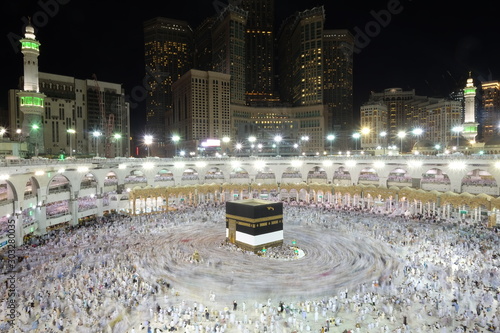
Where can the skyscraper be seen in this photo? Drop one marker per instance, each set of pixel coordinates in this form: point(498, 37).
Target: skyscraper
point(228, 49)
point(259, 48)
point(491, 109)
point(300, 45)
point(338, 84)
point(168, 55)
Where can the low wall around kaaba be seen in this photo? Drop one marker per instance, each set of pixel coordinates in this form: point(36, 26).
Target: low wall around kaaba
point(254, 224)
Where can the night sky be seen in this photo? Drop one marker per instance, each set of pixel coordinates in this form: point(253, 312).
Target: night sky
point(423, 47)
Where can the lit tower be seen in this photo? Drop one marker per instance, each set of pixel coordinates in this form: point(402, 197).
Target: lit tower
point(30, 98)
point(470, 126)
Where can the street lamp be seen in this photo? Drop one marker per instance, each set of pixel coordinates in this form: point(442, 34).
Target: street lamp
point(148, 140)
point(401, 135)
point(330, 138)
point(96, 135)
point(457, 130)
point(238, 147)
point(252, 139)
point(117, 137)
point(35, 128)
point(226, 141)
point(438, 146)
point(356, 137)
point(2, 131)
point(176, 139)
point(70, 132)
point(278, 139)
point(304, 138)
point(383, 134)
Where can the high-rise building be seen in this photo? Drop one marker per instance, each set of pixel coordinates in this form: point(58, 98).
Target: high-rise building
point(374, 118)
point(228, 49)
point(168, 55)
point(490, 109)
point(300, 51)
point(31, 100)
point(202, 37)
point(259, 48)
point(75, 105)
point(338, 84)
point(201, 108)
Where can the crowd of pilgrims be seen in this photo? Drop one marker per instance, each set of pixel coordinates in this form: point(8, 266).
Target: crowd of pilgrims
point(82, 280)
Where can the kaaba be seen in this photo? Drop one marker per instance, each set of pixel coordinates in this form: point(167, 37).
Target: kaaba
point(254, 224)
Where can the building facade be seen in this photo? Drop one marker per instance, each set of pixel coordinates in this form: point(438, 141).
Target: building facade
point(168, 55)
point(300, 47)
point(228, 49)
point(338, 84)
point(259, 49)
point(201, 107)
point(490, 105)
point(74, 104)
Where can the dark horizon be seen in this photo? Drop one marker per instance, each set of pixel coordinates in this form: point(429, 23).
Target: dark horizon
point(406, 44)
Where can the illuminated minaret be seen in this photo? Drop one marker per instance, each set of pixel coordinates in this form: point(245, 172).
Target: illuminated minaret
point(470, 126)
point(30, 98)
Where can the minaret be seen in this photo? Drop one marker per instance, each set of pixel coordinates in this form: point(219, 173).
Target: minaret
point(470, 126)
point(30, 99)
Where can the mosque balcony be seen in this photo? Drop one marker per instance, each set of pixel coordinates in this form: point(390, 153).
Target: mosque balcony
point(478, 189)
point(58, 219)
point(88, 212)
point(30, 228)
point(58, 196)
point(87, 192)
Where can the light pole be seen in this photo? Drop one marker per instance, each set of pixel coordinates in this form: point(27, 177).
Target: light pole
point(401, 135)
point(2, 131)
point(226, 141)
point(117, 137)
point(304, 138)
point(148, 140)
point(457, 130)
point(330, 138)
point(383, 134)
point(356, 137)
point(252, 140)
point(238, 147)
point(96, 135)
point(278, 139)
point(438, 146)
point(70, 133)
point(176, 139)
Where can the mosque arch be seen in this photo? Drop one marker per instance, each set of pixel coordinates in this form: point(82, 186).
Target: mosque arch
point(399, 177)
point(342, 177)
point(8, 192)
point(190, 176)
point(265, 175)
point(291, 175)
point(165, 175)
point(317, 175)
point(136, 177)
point(368, 176)
point(435, 179)
point(214, 175)
point(110, 179)
point(89, 180)
point(479, 181)
point(58, 183)
point(238, 173)
point(31, 188)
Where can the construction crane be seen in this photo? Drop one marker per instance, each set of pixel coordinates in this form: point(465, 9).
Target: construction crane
point(106, 123)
